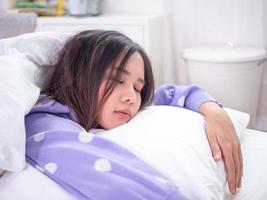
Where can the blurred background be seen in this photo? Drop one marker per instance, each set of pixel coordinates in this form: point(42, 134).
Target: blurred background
point(187, 23)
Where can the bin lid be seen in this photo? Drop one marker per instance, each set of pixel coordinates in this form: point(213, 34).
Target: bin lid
point(224, 53)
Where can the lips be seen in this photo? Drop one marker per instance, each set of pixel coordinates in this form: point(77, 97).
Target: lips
point(125, 113)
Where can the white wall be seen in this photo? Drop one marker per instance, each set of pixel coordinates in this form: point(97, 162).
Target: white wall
point(193, 22)
point(133, 6)
point(146, 7)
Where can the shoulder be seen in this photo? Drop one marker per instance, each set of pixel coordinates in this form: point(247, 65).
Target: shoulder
point(50, 115)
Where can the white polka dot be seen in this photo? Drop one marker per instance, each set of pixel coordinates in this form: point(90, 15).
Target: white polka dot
point(85, 137)
point(168, 94)
point(181, 101)
point(161, 180)
point(102, 165)
point(51, 167)
point(39, 137)
point(39, 168)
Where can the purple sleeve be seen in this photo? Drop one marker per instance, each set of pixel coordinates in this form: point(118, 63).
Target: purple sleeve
point(86, 165)
point(185, 96)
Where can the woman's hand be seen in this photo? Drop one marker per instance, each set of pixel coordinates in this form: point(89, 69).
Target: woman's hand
point(224, 142)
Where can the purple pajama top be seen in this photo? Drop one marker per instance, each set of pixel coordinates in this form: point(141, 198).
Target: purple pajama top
point(91, 167)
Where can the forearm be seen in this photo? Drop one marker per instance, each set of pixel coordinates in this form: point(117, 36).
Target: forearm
point(186, 96)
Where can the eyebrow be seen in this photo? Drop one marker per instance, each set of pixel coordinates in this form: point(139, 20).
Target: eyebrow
point(128, 73)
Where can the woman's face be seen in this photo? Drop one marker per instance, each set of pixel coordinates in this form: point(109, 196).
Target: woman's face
point(125, 100)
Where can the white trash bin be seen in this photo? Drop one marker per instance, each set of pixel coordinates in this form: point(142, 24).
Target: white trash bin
point(232, 74)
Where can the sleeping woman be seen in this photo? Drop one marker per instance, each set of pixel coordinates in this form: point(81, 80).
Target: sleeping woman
point(102, 79)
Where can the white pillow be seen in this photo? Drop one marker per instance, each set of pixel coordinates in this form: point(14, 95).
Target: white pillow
point(20, 74)
point(170, 139)
point(42, 47)
point(240, 120)
point(31, 184)
point(17, 96)
point(173, 140)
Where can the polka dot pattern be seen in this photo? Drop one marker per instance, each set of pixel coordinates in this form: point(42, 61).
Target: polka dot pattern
point(85, 137)
point(102, 165)
point(168, 94)
point(51, 167)
point(39, 137)
point(181, 101)
point(69, 155)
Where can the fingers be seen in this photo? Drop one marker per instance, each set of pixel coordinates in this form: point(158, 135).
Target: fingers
point(230, 168)
point(214, 145)
point(238, 160)
point(237, 163)
point(234, 165)
point(225, 145)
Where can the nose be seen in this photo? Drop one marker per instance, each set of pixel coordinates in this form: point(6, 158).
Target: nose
point(128, 95)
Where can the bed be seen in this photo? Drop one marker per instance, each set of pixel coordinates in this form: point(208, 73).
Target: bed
point(176, 147)
point(30, 183)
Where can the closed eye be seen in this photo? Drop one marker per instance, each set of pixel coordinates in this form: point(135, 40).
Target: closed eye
point(138, 88)
point(118, 81)
point(139, 91)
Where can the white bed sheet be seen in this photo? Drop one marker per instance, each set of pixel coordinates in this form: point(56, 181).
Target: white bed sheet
point(30, 184)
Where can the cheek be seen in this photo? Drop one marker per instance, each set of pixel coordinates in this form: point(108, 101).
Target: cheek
point(105, 112)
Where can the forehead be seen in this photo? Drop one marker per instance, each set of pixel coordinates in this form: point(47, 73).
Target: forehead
point(134, 64)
